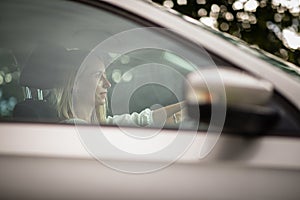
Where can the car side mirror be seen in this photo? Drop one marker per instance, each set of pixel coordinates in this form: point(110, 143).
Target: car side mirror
point(240, 98)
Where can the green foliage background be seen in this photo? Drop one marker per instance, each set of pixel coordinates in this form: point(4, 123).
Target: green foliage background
point(258, 33)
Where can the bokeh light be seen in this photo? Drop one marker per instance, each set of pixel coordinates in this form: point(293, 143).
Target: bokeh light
point(208, 21)
point(237, 5)
point(181, 2)
point(168, 4)
point(202, 12)
point(8, 78)
point(215, 8)
point(1, 79)
point(125, 59)
point(127, 76)
point(229, 16)
point(201, 2)
point(224, 26)
point(116, 75)
point(251, 5)
point(290, 38)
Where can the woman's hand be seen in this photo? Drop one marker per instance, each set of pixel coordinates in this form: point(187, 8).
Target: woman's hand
point(171, 114)
point(176, 118)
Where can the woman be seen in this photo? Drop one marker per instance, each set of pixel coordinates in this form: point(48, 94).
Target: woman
point(83, 100)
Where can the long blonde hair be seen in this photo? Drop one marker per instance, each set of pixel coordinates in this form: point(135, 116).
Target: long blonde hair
point(64, 102)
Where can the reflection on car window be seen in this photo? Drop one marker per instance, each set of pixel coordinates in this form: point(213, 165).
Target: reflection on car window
point(49, 48)
point(10, 91)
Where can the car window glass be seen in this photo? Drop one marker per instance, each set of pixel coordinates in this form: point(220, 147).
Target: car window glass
point(43, 41)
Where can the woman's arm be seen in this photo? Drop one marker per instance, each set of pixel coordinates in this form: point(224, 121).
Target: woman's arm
point(167, 112)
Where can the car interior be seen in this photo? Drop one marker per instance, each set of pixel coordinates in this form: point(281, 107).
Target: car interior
point(33, 61)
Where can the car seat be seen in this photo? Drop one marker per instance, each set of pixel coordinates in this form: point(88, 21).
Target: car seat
point(45, 69)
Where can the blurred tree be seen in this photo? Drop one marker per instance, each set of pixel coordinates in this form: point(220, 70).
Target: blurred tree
point(272, 25)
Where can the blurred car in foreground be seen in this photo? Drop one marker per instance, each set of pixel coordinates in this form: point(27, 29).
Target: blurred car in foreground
point(239, 140)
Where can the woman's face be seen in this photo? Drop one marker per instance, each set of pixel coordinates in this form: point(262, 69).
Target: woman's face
point(93, 83)
point(101, 87)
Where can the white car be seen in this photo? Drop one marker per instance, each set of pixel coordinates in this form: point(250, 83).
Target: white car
point(239, 138)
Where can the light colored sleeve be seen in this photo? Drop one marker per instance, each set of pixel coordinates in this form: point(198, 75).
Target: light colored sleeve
point(143, 118)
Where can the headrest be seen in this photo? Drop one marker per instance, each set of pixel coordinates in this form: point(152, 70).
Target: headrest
point(32, 111)
point(48, 66)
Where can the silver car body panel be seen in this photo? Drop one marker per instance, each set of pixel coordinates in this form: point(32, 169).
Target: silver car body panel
point(50, 162)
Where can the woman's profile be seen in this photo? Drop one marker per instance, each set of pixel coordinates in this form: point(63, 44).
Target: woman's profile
point(83, 99)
